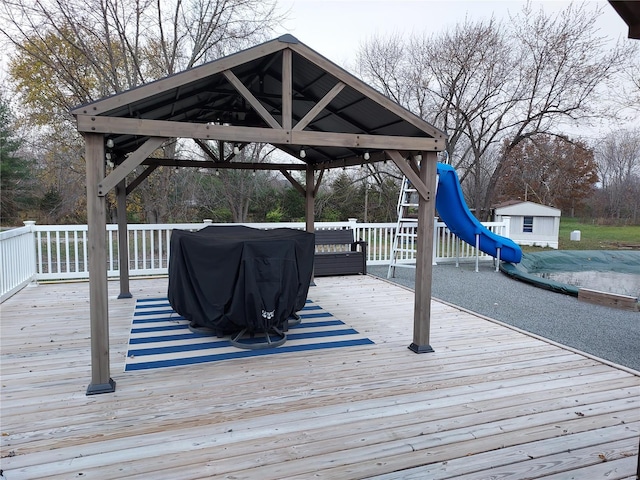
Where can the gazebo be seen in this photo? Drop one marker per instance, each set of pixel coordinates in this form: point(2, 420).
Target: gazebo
point(280, 92)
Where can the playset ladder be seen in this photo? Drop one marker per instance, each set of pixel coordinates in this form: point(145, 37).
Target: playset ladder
point(404, 241)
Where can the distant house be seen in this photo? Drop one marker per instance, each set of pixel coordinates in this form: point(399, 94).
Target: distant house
point(531, 223)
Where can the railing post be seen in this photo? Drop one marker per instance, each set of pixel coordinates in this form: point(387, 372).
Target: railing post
point(353, 226)
point(436, 242)
point(477, 250)
point(32, 258)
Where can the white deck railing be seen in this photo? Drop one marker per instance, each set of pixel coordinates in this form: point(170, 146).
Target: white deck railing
point(17, 259)
point(59, 252)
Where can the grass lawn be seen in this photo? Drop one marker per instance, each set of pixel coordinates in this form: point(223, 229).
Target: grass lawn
point(598, 237)
point(594, 237)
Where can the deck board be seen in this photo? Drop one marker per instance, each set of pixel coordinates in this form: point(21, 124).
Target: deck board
point(490, 400)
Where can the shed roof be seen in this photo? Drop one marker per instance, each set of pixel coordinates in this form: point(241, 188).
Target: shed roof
point(526, 208)
point(280, 92)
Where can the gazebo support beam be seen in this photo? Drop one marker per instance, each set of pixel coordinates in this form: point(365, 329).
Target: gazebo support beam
point(101, 381)
point(253, 101)
point(310, 201)
point(310, 189)
point(239, 134)
point(210, 153)
point(425, 183)
point(424, 255)
point(408, 170)
point(123, 240)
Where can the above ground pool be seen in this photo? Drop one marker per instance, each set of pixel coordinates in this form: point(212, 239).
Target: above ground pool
point(566, 271)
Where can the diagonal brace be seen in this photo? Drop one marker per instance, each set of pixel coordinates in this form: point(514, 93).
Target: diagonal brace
point(249, 97)
point(409, 172)
point(126, 167)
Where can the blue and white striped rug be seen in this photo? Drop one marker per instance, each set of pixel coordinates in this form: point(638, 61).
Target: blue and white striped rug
point(161, 338)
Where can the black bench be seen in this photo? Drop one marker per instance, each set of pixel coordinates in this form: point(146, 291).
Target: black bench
point(338, 254)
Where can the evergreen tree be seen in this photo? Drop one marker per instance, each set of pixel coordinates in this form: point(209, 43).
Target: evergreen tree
point(14, 171)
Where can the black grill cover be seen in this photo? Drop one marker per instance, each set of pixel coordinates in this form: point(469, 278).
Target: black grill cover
point(228, 278)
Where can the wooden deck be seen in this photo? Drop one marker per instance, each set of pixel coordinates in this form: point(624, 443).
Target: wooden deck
point(491, 402)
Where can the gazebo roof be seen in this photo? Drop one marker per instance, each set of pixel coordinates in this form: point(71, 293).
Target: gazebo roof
point(280, 92)
point(629, 11)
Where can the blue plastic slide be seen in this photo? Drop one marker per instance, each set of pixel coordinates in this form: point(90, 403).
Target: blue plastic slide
point(454, 212)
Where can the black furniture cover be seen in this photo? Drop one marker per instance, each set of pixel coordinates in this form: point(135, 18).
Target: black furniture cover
point(230, 278)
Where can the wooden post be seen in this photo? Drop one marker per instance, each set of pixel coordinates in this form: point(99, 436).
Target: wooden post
point(638, 466)
point(123, 244)
point(101, 381)
point(310, 199)
point(424, 255)
point(287, 89)
point(310, 205)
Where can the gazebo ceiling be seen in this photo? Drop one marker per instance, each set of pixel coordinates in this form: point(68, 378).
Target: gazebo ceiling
point(280, 92)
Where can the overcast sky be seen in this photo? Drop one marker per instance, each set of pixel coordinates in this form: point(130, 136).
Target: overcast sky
point(337, 28)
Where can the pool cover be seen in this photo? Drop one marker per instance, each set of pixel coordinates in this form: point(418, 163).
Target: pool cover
point(621, 261)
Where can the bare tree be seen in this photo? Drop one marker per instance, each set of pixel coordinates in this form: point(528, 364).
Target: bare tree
point(488, 83)
point(618, 159)
point(92, 48)
point(386, 64)
point(70, 52)
point(235, 188)
point(564, 69)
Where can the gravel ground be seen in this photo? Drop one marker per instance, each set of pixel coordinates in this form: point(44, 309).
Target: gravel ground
point(605, 332)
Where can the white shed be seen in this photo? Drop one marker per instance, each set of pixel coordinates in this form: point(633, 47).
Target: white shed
point(531, 223)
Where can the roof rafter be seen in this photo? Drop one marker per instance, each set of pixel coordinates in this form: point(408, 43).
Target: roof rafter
point(174, 81)
point(365, 89)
